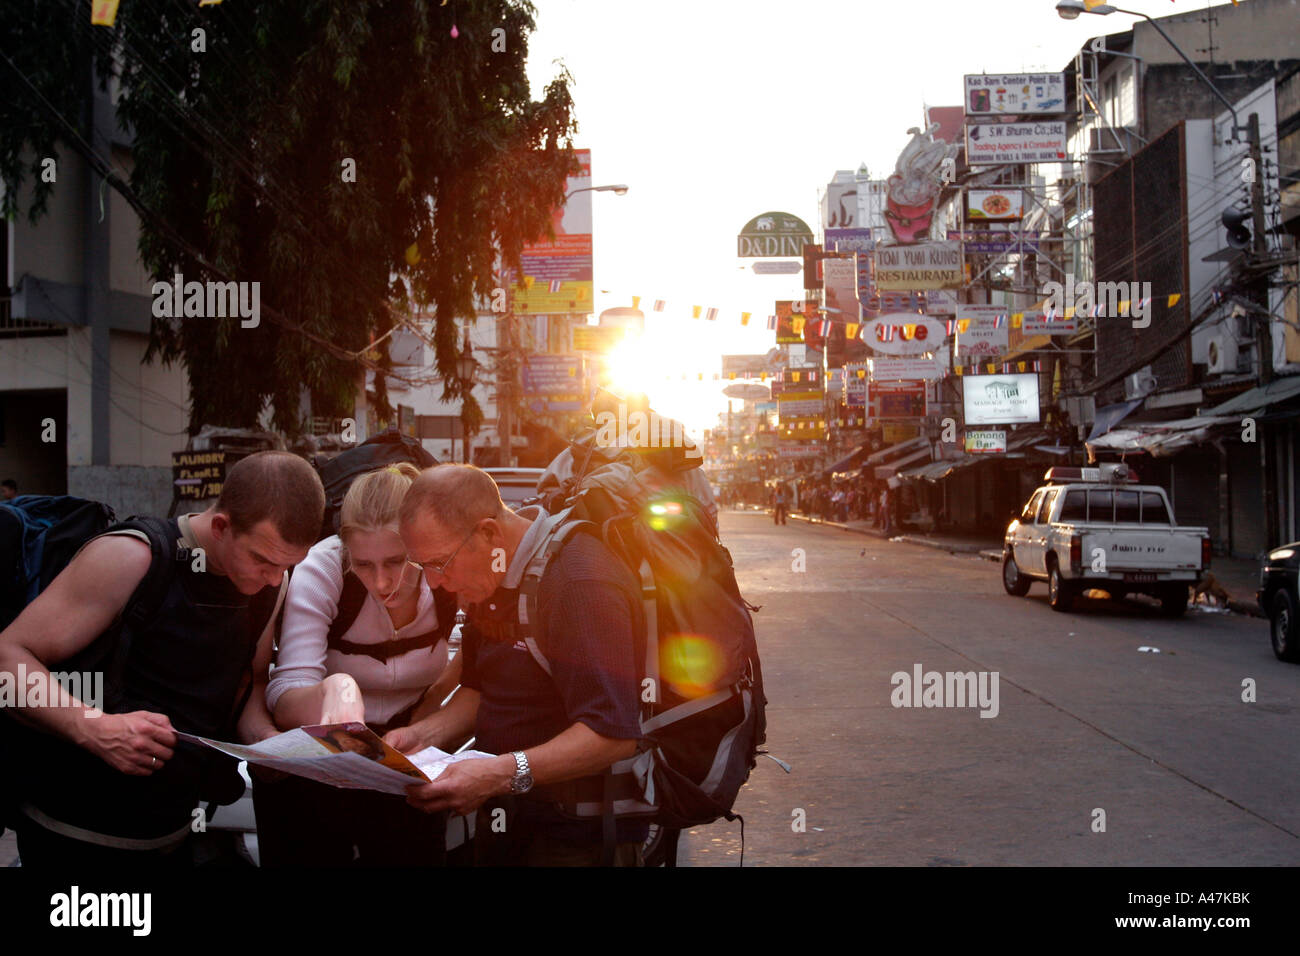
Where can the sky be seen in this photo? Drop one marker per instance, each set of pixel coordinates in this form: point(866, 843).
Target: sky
point(714, 111)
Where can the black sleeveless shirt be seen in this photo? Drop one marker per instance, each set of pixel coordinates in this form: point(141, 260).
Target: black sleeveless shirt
point(183, 647)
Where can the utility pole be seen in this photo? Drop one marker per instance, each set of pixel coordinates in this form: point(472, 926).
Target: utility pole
point(1264, 337)
point(1264, 340)
point(506, 376)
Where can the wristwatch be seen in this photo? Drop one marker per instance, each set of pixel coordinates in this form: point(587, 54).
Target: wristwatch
point(522, 781)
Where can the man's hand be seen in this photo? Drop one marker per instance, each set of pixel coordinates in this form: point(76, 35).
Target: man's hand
point(465, 785)
point(341, 703)
point(412, 738)
point(137, 743)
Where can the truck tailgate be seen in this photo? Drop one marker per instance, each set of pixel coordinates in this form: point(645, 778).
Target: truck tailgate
point(1144, 549)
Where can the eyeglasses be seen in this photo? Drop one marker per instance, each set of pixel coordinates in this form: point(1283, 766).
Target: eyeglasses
point(441, 569)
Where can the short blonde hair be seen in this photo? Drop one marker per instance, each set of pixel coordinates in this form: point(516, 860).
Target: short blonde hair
point(374, 500)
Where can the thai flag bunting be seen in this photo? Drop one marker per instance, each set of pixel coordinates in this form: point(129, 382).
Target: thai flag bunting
point(659, 305)
point(1000, 320)
point(771, 322)
point(711, 314)
point(557, 284)
point(952, 326)
point(1038, 366)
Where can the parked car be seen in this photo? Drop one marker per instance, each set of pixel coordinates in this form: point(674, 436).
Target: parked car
point(517, 484)
point(1279, 598)
point(1096, 528)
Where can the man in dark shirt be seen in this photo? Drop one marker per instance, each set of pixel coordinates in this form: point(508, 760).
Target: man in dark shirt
point(555, 733)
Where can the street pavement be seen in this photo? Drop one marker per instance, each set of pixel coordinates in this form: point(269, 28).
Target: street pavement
point(1186, 772)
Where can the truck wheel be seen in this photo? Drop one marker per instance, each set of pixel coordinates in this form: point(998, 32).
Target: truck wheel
point(1060, 592)
point(1173, 600)
point(1013, 582)
point(1282, 618)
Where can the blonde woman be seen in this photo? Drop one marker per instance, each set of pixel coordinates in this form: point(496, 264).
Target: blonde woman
point(363, 638)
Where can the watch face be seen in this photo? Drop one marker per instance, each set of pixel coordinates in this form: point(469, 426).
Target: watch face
point(522, 783)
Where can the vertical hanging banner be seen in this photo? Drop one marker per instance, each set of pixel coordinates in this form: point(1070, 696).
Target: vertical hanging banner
point(557, 276)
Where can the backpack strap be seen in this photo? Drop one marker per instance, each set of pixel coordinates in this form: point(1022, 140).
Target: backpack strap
point(353, 599)
point(563, 530)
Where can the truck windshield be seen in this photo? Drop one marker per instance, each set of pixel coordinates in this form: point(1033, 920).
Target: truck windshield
point(1126, 507)
point(1100, 506)
point(1075, 507)
point(1154, 510)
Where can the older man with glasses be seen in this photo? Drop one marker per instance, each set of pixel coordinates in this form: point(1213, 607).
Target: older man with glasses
point(556, 733)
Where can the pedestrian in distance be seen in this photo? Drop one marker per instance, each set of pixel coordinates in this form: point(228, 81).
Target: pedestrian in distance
point(779, 505)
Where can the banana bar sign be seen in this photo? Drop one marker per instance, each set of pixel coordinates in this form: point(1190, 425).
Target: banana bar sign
point(926, 265)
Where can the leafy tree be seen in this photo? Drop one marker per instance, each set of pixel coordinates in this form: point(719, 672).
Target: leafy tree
point(239, 167)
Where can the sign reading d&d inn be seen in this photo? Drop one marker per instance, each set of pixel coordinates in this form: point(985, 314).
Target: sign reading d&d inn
point(773, 235)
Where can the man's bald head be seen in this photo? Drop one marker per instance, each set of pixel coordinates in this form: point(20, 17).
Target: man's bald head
point(456, 497)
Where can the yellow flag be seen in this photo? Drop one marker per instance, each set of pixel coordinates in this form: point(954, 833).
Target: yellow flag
point(991, 367)
point(1016, 319)
point(1020, 366)
point(636, 301)
point(963, 325)
point(744, 318)
point(695, 311)
point(796, 324)
point(412, 251)
point(794, 376)
point(851, 330)
point(957, 369)
point(1177, 296)
point(103, 13)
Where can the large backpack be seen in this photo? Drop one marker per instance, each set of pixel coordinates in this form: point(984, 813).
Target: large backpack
point(338, 473)
point(703, 707)
point(39, 534)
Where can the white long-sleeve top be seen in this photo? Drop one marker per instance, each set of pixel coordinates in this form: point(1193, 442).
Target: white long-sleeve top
point(305, 658)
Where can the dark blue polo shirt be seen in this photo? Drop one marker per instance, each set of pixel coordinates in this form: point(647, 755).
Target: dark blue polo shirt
point(591, 629)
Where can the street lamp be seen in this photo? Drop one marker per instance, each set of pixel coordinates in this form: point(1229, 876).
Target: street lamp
point(1070, 10)
point(619, 189)
point(466, 366)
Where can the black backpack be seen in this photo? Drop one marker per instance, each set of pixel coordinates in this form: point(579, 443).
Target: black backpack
point(39, 534)
point(338, 473)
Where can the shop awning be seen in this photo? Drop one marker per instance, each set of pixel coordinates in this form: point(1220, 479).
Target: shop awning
point(911, 445)
point(894, 467)
point(1258, 399)
point(1162, 438)
point(1111, 415)
point(939, 470)
point(851, 460)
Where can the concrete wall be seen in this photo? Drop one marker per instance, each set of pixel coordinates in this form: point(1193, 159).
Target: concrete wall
point(1258, 29)
point(127, 489)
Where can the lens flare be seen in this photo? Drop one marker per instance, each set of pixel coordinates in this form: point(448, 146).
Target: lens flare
point(663, 514)
point(691, 665)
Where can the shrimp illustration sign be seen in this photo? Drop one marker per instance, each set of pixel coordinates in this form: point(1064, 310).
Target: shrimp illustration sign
point(910, 262)
point(914, 187)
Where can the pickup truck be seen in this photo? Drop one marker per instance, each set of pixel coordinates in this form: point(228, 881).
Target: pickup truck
point(1096, 528)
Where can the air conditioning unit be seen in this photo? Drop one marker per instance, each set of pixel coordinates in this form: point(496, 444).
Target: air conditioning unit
point(1140, 384)
point(1222, 355)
